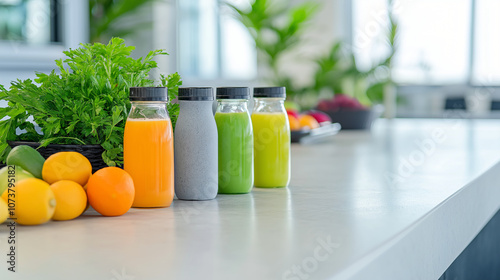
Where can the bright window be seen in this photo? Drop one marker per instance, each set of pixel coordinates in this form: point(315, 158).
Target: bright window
point(434, 38)
point(29, 21)
point(213, 44)
point(486, 67)
point(369, 24)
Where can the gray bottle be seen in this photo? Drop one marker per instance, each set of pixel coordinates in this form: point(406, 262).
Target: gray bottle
point(195, 146)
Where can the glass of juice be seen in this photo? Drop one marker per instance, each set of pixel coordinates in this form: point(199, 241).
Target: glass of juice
point(148, 147)
point(234, 128)
point(271, 138)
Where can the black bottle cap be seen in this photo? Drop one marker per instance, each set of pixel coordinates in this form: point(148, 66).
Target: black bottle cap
point(196, 94)
point(271, 92)
point(148, 94)
point(233, 93)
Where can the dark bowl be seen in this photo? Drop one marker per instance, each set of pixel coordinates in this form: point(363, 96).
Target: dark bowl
point(355, 119)
point(296, 135)
point(92, 152)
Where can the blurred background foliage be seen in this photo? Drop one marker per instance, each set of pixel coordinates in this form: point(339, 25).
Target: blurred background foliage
point(279, 28)
point(106, 16)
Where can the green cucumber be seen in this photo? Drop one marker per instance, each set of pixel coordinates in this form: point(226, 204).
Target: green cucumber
point(28, 158)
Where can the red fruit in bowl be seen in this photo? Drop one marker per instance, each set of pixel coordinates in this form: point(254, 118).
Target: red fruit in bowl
point(320, 117)
point(344, 101)
point(322, 105)
point(340, 101)
point(326, 105)
point(293, 113)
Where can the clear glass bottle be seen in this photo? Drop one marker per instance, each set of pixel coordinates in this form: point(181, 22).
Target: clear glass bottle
point(148, 147)
point(234, 127)
point(271, 138)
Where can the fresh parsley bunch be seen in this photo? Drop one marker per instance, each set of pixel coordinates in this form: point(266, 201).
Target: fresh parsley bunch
point(86, 103)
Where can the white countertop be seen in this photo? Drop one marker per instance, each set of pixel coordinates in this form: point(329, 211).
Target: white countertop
point(343, 216)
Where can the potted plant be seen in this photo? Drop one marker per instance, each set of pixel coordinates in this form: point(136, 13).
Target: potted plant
point(276, 29)
point(357, 95)
point(353, 95)
point(84, 105)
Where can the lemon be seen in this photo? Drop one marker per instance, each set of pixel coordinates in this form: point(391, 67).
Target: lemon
point(16, 172)
point(71, 166)
point(71, 200)
point(3, 211)
point(34, 202)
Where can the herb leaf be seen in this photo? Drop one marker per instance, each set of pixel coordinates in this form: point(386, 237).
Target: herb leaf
point(85, 102)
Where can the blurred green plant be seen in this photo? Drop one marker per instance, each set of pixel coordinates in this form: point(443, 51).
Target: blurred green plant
point(376, 89)
point(276, 29)
point(106, 14)
point(336, 72)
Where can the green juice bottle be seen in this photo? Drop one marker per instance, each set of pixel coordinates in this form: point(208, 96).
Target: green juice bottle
point(235, 136)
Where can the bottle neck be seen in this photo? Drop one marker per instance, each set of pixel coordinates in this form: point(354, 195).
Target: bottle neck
point(269, 105)
point(232, 105)
point(148, 110)
point(196, 107)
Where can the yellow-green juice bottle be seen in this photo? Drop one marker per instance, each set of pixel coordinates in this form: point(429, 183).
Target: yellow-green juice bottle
point(271, 138)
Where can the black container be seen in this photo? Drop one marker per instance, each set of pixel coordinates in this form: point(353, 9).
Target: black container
point(92, 152)
point(355, 119)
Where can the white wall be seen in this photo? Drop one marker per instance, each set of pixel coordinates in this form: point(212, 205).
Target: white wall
point(17, 61)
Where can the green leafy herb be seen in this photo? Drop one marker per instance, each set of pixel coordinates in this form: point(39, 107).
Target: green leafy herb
point(85, 103)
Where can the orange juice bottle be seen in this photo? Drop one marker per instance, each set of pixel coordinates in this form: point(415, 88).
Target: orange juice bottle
point(148, 147)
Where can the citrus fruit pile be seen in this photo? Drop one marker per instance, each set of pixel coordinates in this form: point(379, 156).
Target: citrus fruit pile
point(62, 187)
point(308, 120)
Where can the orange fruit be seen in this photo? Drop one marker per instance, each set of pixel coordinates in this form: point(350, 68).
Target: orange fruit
point(71, 166)
point(294, 122)
point(33, 202)
point(111, 191)
point(308, 121)
point(71, 200)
